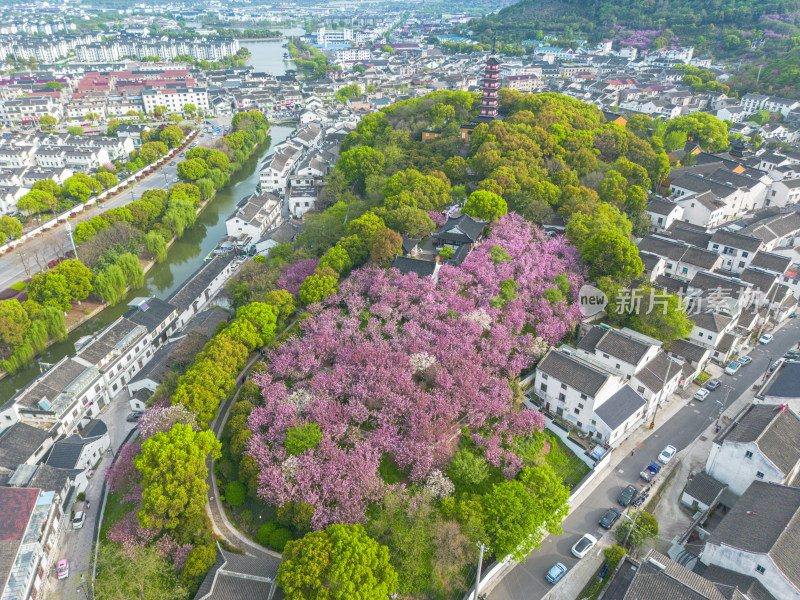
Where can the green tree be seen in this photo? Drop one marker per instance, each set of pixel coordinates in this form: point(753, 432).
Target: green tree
point(604, 217)
point(107, 179)
point(50, 289)
point(519, 512)
point(190, 108)
point(235, 493)
point(386, 244)
point(263, 316)
point(46, 121)
point(156, 245)
point(14, 323)
point(661, 315)
point(174, 470)
point(78, 278)
point(171, 135)
point(339, 563)
point(485, 206)
point(10, 228)
point(37, 201)
point(366, 226)
point(75, 130)
point(192, 169)
point(645, 527)
point(347, 92)
point(316, 288)
point(55, 85)
point(409, 220)
point(611, 254)
point(359, 163)
point(301, 438)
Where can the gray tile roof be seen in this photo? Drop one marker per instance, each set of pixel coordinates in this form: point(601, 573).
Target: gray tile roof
point(18, 443)
point(765, 521)
point(461, 230)
point(776, 432)
point(183, 298)
point(684, 232)
point(786, 383)
point(239, 577)
point(688, 350)
point(157, 312)
point(574, 372)
point(705, 488)
point(654, 374)
point(736, 240)
point(659, 578)
point(620, 407)
point(770, 262)
point(661, 207)
point(711, 321)
point(420, 266)
point(621, 346)
point(731, 581)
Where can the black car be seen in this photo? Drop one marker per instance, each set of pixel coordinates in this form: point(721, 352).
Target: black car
point(611, 516)
point(133, 417)
point(713, 384)
point(627, 495)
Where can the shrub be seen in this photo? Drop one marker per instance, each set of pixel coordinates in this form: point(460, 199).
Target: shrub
point(235, 493)
point(279, 538)
point(265, 531)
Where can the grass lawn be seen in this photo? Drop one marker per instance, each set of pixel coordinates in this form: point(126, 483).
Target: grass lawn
point(564, 462)
point(115, 510)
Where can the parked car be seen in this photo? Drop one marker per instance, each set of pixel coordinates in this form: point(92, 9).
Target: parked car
point(701, 395)
point(793, 355)
point(713, 384)
point(80, 518)
point(744, 360)
point(583, 545)
point(133, 417)
point(172, 164)
point(556, 572)
point(667, 454)
point(733, 368)
point(611, 516)
point(175, 180)
point(766, 338)
point(626, 495)
point(62, 569)
point(650, 471)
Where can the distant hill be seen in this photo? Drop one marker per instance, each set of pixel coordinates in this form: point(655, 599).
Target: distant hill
point(598, 18)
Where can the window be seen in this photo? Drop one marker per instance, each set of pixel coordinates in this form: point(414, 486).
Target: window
point(741, 263)
point(760, 569)
point(544, 387)
point(744, 254)
point(759, 474)
point(580, 425)
point(544, 376)
point(594, 422)
point(618, 365)
point(580, 405)
point(748, 454)
point(563, 386)
point(577, 411)
point(562, 397)
point(583, 396)
point(669, 266)
point(640, 389)
point(605, 355)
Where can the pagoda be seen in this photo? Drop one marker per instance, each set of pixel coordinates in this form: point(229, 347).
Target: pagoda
point(490, 86)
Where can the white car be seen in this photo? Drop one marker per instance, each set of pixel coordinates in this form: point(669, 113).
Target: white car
point(667, 454)
point(765, 339)
point(582, 547)
point(701, 395)
point(80, 518)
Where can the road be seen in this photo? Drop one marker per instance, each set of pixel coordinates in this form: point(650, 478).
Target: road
point(77, 546)
point(526, 580)
point(33, 255)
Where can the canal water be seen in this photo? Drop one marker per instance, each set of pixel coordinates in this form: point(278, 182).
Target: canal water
point(186, 255)
point(268, 56)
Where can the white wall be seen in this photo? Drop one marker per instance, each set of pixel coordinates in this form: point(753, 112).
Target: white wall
point(728, 463)
point(746, 563)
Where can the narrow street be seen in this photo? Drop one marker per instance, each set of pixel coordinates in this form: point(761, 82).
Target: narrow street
point(526, 580)
point(78, 544)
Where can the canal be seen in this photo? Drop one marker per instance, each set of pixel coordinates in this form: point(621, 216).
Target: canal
point(186, 255)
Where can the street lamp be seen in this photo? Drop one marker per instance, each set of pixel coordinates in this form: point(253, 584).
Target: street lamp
point(68, 227)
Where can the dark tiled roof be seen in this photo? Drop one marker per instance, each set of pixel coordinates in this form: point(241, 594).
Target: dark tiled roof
point(765, 521)
point(157, 311)
point(573, 371)
point(680, 231)
point(202, 278)
point(408, 264)
point(736, 240)
point(770, 262)
point(654, 374)
point(620, 407)
point(776, 432)
point(711, 321)
point(659, 578)
point(66, 452)
point(621, 346)
point(731, 581)
point(688, 350)
point(698, 184)
point(18, 443)
point(704, 488)
point(786, 383)
point(661, 207)
point(461, 230)
point(239, 577)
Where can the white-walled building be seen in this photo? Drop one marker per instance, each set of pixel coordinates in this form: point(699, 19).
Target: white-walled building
point(255, 217)
point(762, 444)
point(175, 99)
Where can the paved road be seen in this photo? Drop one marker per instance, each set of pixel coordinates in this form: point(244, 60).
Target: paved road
point(78, 544)
point(36, 253)
point(526, 580)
